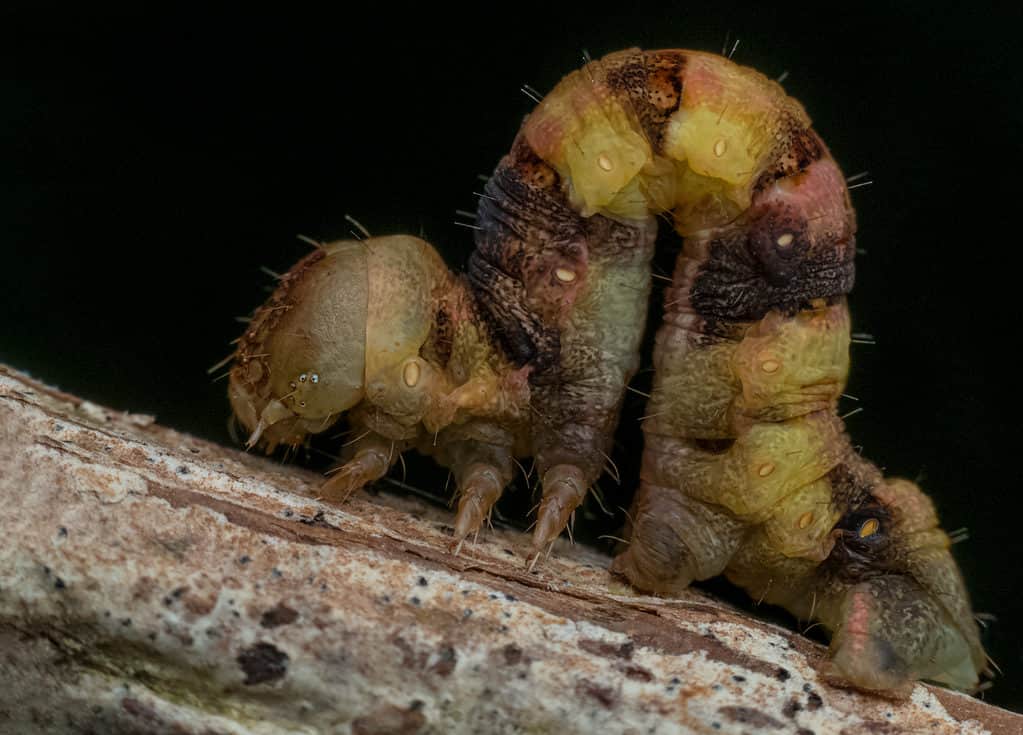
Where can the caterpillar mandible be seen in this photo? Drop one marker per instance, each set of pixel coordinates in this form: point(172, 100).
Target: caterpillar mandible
point(747, 469)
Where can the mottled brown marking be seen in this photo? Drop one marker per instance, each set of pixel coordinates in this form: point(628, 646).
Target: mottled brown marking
point(805, 147)
point(604, 695)
point(410, 658)
point(263, 663)
point(391, 720)
point(750, 716)
point(876, 727)
point(790, 708)
point(442, 336)
point(608, 650)
point(277, 616)
point(512, 654)
point(446, 662)
point(265, 321)
point(636, 673)
point(683, 641)
point(651, 83)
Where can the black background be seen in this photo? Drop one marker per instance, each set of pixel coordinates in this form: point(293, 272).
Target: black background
point(151, 164)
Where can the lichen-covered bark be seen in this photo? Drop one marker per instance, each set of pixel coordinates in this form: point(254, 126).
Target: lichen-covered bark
point(152, 582)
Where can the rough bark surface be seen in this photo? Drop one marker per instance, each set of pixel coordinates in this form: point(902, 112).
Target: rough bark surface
point(151, 582)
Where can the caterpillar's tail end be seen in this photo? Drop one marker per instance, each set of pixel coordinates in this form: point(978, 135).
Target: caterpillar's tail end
point(891, 633)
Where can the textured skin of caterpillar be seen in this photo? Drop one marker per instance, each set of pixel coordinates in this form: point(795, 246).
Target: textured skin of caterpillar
point(381, 331)
point(747, 469)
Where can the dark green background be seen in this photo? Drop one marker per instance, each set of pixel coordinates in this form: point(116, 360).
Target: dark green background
point(151, 164)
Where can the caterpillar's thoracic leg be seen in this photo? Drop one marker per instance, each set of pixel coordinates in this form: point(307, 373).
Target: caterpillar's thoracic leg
point(369, 459)
point(676, 540)
point(564, 488)
point(482, 471)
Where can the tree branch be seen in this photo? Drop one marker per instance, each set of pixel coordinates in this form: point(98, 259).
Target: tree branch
point(152, 582)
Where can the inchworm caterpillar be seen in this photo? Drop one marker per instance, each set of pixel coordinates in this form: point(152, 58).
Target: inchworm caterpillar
point(747, 470)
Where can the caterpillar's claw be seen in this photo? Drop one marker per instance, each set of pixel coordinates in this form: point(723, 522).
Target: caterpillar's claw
point(369, 464)
point(535, 557)
point(564, 488)
point(479, 489)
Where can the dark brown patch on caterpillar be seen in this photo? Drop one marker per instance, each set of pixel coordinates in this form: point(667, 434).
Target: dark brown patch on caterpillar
point(441, 337)
point(852, 483)
point(736, 285)
point(805, 147)
point(521, 334)
point(527, 230)
point(652, 83)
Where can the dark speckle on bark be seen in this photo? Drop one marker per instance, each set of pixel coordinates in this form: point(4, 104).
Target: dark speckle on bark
point(262, 663)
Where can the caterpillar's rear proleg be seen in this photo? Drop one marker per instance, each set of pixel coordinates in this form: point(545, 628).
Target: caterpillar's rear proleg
point(371, 457)
point(890, 631)
point(676, 540)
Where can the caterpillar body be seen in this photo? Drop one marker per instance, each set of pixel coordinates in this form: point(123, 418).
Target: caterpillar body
point(747, 470)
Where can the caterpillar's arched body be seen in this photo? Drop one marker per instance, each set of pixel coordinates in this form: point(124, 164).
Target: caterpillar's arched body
point(747, 469)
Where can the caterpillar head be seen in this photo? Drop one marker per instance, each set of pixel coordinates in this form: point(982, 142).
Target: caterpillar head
point(904, 613)
point(344, 328)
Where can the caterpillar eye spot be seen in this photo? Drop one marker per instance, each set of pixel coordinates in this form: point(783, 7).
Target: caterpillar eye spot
point(564, 275)
point(315, 378)
point(302, 378)
point(869, 527)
